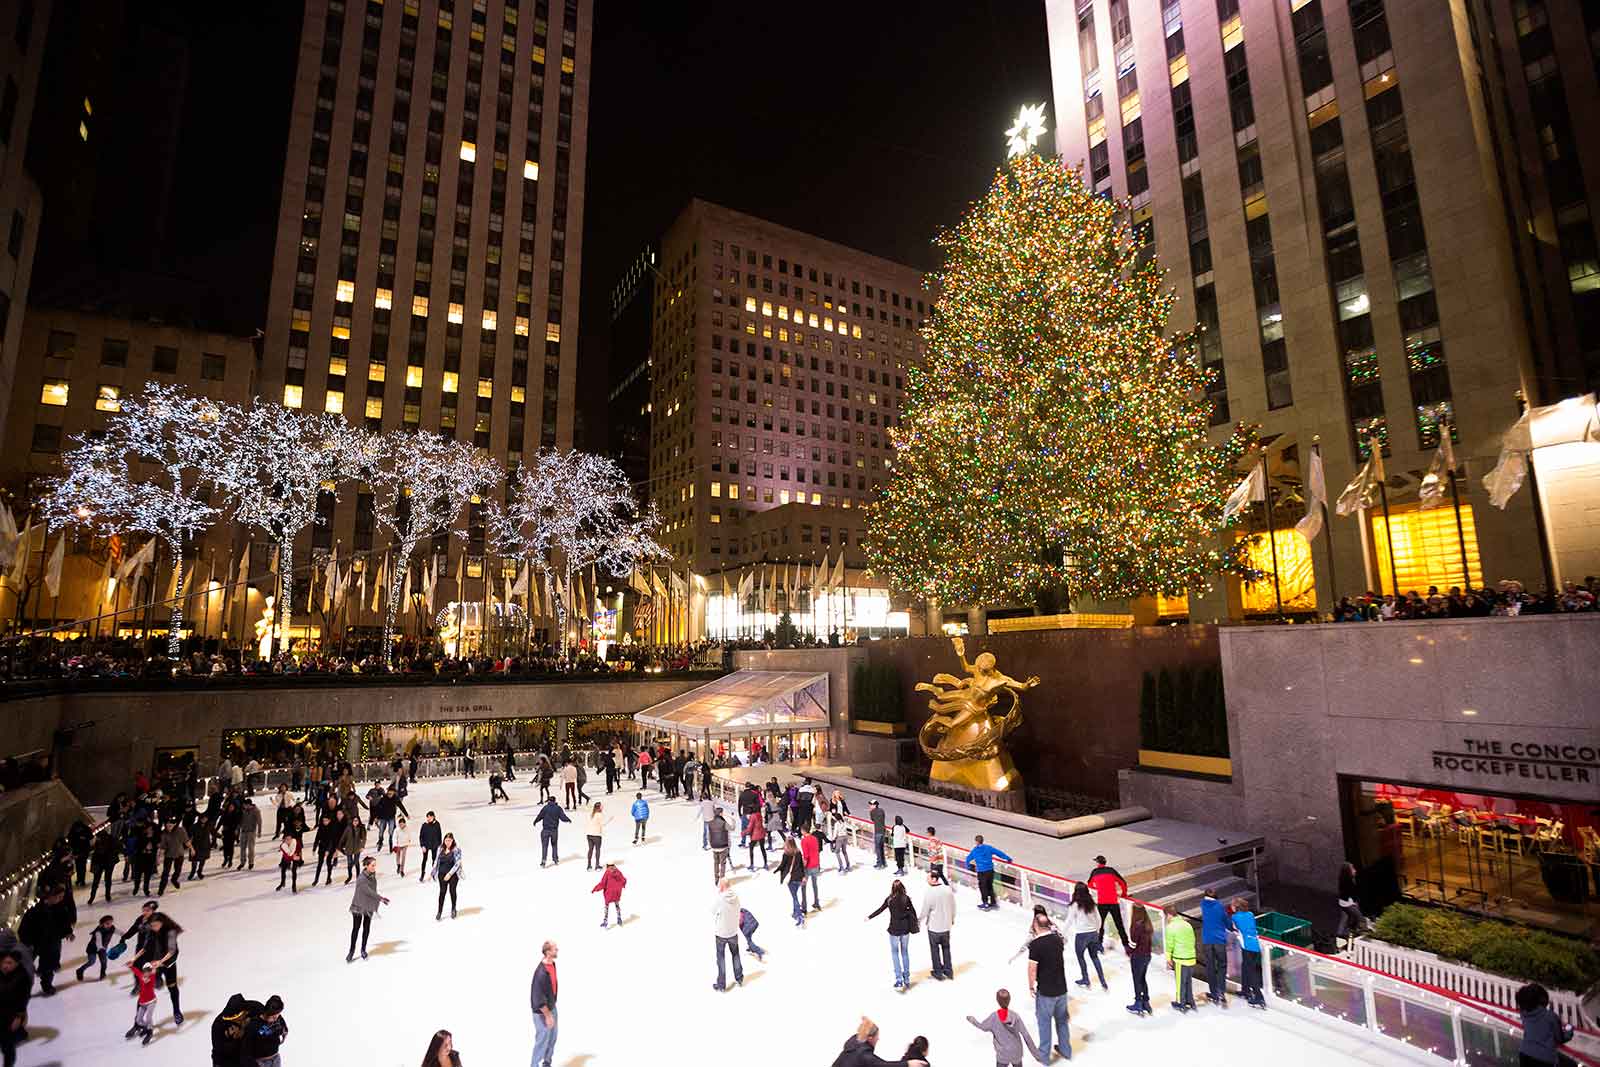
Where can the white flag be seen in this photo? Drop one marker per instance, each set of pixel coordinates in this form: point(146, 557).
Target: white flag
point(52, 568)
point(1436, 482)
point(378, 589)
point(520, 588)
point(405, 592)
point(330, 582)
point(819, 576)
point(1362, 492)
point(1502, 483)
point(1253, 487)
point(430, 575)
point(135, 563)
point(107, 584)
point(1316, 494)
point(838, 572)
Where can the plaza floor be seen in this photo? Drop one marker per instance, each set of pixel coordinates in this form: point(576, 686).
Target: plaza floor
point(635, 994)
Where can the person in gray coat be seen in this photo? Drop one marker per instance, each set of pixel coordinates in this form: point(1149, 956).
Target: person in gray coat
point(1009, 1032)
point(363, 906)
point(249, 830)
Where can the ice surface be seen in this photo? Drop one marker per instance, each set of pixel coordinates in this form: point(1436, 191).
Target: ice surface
point(636, 994)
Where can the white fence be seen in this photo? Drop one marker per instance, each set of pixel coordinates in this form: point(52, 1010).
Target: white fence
point(1427, 969)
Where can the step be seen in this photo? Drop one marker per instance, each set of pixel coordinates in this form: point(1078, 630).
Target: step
point(1195, 878)
point(1187, 902)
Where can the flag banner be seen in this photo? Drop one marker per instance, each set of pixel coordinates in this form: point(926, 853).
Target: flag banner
point(52, 569)
point(1316, 494)
point(838, 572)
point(1252, 488)
point(378, 587)
point(1362, 492)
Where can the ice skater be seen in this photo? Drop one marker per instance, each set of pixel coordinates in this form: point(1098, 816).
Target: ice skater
point(725, 924)
point(1083, 924)
point(1009, 1033)
point(99, 943)
point(364, 905)
point(792, 873)
point(718, 834)
point(595, 832)
point(543, 998)
point(399, 841)
point(429, 837)
point(755, 834)
point(1179, 947)
point(43, 927)
point(981, 859)
point(902, 924)
point(160, 952)
point(1139, 938)
point(289, 861)
point(144, 1011)
point(748, 927)
point(610, 886)
point(936, 856)
point(1109, 887)
point(448, 873)
point(900, 840)
point(550, 817)
point(266, 1034)
point(641, 817)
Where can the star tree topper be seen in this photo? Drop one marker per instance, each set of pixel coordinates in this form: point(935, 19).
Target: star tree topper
point(1026, 131)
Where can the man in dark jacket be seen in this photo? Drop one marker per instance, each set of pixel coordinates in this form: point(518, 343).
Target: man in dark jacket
point(717, 834)
point(860, 1050)
point(431, 836)
point(42, 929)
point(16, 985)
point(227, 1033)
point(543, 1000)
point(80, 837)
point(749, 803)
point(266, 1032)
point(549, 818)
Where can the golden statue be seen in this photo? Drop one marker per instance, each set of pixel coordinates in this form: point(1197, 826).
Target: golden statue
point(964, 737)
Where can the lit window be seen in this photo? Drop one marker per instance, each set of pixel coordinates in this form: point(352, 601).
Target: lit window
point(813, 319)
point(54, 392)
point(451, 381)
point(486, 387)
point(384, 299)
point(855, 330)
point(766, 307)
point(522, 326)
point(88, 108)
point(300, 319)
point(783, 313)
point(783, 496)
point(716, 489)
point(490, 320)
point(413, 377)
point(374, 407)
point(816, 499)
point(336, 365)
point(566, 64)
point(552, 331)
point(333, 403)
point(342, 332)
point(291, 396)
point(538, 54)
point(530, 170)
point(345, 292)
point(469, 151)
point(733, 490)
point(109, 398)
point(419, 306)
point(519, 394)
point(749, 303)
point(454, 313)
point(376, 372)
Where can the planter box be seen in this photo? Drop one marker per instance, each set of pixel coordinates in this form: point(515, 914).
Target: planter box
point(1212, 766)
point(1415, 965)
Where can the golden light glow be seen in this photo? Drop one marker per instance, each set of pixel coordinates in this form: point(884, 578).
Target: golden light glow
point(344, 291)
point(374, 407)
point(384, 299)
point(530, 170)
point(486, 387)
point(1426, 548)
point(333, 403)
point(376, 372)
point(54, 393)
point(469, 151)
point(454, 314)
point(452, 381)
point(521, 326)
point(552, 332)
point(413, 377)
point(109, 398)
point(1295, 578)
point(491, 320)
point(291, 396)
point(519, 394)
point(419, 306)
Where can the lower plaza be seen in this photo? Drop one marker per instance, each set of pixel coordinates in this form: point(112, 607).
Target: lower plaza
point(625, 992)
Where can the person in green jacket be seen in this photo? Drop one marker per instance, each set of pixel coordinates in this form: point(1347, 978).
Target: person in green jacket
point(1180, 957)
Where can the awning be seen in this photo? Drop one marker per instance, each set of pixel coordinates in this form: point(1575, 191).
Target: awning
point(744, 704)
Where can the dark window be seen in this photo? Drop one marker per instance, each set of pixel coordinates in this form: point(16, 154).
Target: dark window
point(113, 352)
point(46, 438)
point(165, 360)
point(213, 367)
point(61, 343)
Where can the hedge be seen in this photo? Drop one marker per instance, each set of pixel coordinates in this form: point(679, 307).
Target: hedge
point(1499, 948)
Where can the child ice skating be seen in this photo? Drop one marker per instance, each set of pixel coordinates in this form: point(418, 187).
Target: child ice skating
point(144, 1012)
point(1009, 1033)
point(610, 886)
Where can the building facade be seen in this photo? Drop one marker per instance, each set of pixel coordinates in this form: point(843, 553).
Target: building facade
point(1381, 222)
point(778, 367)
point(628, 371)
point(429, 242)
point(23, 24)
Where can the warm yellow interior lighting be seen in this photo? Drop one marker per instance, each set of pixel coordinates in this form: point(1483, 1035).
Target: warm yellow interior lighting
point(1427, 550)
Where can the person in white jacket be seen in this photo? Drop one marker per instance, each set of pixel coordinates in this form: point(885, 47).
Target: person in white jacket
point(725, 924)
point(399, 841)
point(938, 916)
point(595, 831)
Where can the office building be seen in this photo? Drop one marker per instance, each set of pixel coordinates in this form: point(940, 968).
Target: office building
point(22, 33)
point(1381, 218)
point(426, 269)
point(628, 371)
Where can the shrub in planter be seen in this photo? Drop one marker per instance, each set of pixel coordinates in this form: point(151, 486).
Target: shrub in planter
point(1499, 948)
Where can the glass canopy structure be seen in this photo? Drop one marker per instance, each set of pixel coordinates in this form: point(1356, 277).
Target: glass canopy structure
point(741, 706)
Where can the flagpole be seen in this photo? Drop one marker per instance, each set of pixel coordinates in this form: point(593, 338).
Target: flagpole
point(1333, 579)
point(1445, 429)
point(1388, 526)
point(1272, 534)
point(1538, 506)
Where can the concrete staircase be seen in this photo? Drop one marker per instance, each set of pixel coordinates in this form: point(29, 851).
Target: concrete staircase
point(1183, 891)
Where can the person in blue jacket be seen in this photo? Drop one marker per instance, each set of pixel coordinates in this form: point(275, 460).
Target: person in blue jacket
point(641, 815)
point(981, 859)
point(1244, 924)
point(1214, 926)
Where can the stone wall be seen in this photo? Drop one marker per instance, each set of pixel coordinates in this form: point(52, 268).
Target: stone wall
point(31, 818)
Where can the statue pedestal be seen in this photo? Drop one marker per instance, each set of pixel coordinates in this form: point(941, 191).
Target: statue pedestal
point(989, 783)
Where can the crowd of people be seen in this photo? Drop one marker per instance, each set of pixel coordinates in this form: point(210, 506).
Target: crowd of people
point(1508, 598)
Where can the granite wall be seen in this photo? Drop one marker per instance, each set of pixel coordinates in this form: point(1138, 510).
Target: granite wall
point(1509, 706)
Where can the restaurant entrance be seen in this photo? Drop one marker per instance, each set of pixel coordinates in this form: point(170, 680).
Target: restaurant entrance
point(1514, 856)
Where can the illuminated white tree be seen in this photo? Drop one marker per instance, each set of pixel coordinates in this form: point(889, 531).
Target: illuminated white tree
point(279, 461)
point(151, 472)
point(420, 483)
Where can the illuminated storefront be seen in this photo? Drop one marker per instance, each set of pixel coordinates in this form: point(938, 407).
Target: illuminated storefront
point(1427, 548)
point(1296, 580)
point(850, 613)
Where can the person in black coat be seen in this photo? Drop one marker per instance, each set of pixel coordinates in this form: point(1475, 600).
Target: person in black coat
point(429, 837)
point(860, 1050)
point(549, 818)
point(80, 838)
point(266, 1032)
point(227, 1032)
point(16, 985)
point(103, 856)
point(44, 926)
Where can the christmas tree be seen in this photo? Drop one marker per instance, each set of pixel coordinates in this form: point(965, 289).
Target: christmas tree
point(1055, 434)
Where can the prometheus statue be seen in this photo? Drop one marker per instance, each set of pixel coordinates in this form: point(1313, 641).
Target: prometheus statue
point(965, 736)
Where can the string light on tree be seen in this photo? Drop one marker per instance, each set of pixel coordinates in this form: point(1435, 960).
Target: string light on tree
point(1055, 434)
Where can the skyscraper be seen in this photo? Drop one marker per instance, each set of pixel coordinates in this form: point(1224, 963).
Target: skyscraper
point(22, 34)
point(1381, 220)
point(426, 271)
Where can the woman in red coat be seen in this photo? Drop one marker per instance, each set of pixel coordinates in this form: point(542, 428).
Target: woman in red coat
point(755, 829)
point(610, 889)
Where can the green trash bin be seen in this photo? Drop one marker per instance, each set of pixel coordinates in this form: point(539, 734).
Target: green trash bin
point(1286, 928)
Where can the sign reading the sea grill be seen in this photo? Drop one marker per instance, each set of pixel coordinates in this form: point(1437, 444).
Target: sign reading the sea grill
point(1532, 759)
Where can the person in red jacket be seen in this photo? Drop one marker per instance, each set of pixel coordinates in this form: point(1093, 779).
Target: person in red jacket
point(610, 888)
point(1108, 888)
point(811, 852)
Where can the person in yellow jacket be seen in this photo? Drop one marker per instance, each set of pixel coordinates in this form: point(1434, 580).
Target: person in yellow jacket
point(1180, 957)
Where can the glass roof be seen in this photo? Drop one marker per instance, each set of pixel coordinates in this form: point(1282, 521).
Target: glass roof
point(745, 702)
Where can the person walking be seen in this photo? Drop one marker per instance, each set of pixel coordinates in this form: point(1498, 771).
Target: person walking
point(1244, 928)
point(330, 828)
point(879, 831)
point(545, 775)
point(725, 925)
point(1084, 926)
point(44, 926)
point(249, 830)
point(596, 832)
point(175, 848)
point(1179, 945)
point(146, 853)
point(708, 811)
point(550, 817)
point(383, 813)
point(610, 885)
point(1351, 920)
point(228, 826)
point(811, 852)
point(583, 778)
point(1215, 925)
point(1047, 981)
point(718, 834)
point(543, 999)
point(939, 916)
point(99, 942)
point(447, 872)
point(103, 856)
point(429, 838)
point(900, 840)
point(354, 840)
point(1543, 1032)
point(641, 817)
point(839, 832)
point(160, 951)
point(792, 873)
point(569, 783)
point(902, 924)
point(755, 835)
point(1009, 1033)
point(980, 858)
point(363, 906)
point(1108, 887)
point(399, 842)
point(1139, 939)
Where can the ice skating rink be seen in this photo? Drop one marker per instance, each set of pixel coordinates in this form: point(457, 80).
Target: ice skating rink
point(636, 994)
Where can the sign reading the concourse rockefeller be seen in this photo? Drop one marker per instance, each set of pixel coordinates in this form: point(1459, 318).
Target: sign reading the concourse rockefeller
point(1557, 761)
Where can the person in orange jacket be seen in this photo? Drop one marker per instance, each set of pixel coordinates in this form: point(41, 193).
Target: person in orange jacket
point(1109, 887)
point(610, 887)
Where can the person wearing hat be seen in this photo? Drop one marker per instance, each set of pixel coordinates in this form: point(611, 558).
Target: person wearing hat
point(717, 835)
point(1108, 887)
point(227, 1032)
point(879, 832)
